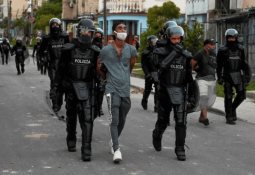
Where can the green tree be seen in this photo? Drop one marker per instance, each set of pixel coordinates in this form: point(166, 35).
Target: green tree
point(194, 36)
point(47, 11)
point(156, 17)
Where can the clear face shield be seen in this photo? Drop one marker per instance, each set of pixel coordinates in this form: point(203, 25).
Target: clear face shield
point(154, 41)
point(85, 31)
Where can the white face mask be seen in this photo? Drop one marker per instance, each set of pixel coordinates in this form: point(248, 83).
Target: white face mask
point(121, 35)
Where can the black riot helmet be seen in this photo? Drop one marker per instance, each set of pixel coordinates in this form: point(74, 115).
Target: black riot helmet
point(55, 26)
point(99, 30)
point(176, 30)
point(152, 40)
point(231, 32)
point(85, 26)
point(18, 42)
point(169, 24)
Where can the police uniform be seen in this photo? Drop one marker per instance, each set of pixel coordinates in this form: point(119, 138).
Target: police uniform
point(232, 70)
point(174, 74)
point(19, 49)
point(150, 74)
point(52, 44)
point(76, 75)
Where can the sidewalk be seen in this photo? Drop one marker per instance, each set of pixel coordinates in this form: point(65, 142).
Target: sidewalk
point(245, 111)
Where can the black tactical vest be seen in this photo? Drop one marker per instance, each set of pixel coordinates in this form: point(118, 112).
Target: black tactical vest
point(175, 74)
point(82, 65)
point(234, 61)
point(55, 47)
point(19, 51)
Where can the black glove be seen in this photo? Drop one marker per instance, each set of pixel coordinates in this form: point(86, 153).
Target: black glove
point(148, 77)
point(154, 76)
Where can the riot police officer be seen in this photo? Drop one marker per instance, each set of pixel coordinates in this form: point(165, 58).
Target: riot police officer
point(53, 44)
point(77, 74)
point(98, 38)
point(174, 74)
point(233, 72)
point(150, 72)
point(5, 49)
point(98, 41)
point(18, 49)
point(36, 52)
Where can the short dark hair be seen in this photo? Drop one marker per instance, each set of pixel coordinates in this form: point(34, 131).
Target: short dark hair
point(116, 24)
point(209, 41)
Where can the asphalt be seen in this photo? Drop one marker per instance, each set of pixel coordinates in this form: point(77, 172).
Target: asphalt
point(245, 112)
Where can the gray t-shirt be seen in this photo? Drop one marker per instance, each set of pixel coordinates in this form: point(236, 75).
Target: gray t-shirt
point(118, 69)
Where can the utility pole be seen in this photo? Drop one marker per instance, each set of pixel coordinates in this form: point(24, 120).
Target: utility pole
point(32, 18)
point(105, 25)
point(9, 6)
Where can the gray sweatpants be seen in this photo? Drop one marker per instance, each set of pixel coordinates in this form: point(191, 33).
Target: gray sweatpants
point(118, 109)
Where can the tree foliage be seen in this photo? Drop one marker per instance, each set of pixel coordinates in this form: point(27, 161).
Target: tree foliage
point(194, 37)
point(47, 11)
point(156, 17)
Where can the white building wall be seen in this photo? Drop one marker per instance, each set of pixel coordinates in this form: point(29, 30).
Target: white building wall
point(196, 7)
point(4, 9)
point(211, 5)
point(144, 5)
point(236, 4)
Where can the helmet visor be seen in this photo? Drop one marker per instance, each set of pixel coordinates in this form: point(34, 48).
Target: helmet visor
point(154, 41)
point(85, 30)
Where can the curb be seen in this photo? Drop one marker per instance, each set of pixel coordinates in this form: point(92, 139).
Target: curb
point(250, 94)
point(212, 110)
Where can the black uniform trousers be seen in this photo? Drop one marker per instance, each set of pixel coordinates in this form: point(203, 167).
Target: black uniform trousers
point(82, 109)
point(165, 107)
point(20, 66)
point(147, 90)
point(230, 104)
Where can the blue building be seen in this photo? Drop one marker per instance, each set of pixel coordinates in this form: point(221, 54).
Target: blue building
point(136, 23)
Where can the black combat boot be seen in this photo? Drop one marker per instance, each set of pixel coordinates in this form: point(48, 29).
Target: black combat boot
point(180, 153)
point(156, 140)
point(230, 119)
point(71, 145)
point(86, 152)
point(180, 134)
point(234, 114)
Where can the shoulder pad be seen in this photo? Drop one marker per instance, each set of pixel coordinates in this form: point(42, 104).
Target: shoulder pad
point(161, 51)
point(241, 47)
point(68, 46)
point(95, 48)
point(187, 53)
point(161, 43)
point(146, 52)
point(223, 48)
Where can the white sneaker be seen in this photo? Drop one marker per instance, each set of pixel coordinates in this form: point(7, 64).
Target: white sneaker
point(117, 157)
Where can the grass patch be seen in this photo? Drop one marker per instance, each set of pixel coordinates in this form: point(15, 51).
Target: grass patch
point(220, 89)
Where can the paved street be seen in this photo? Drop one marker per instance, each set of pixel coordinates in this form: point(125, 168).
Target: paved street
point(32, 141)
